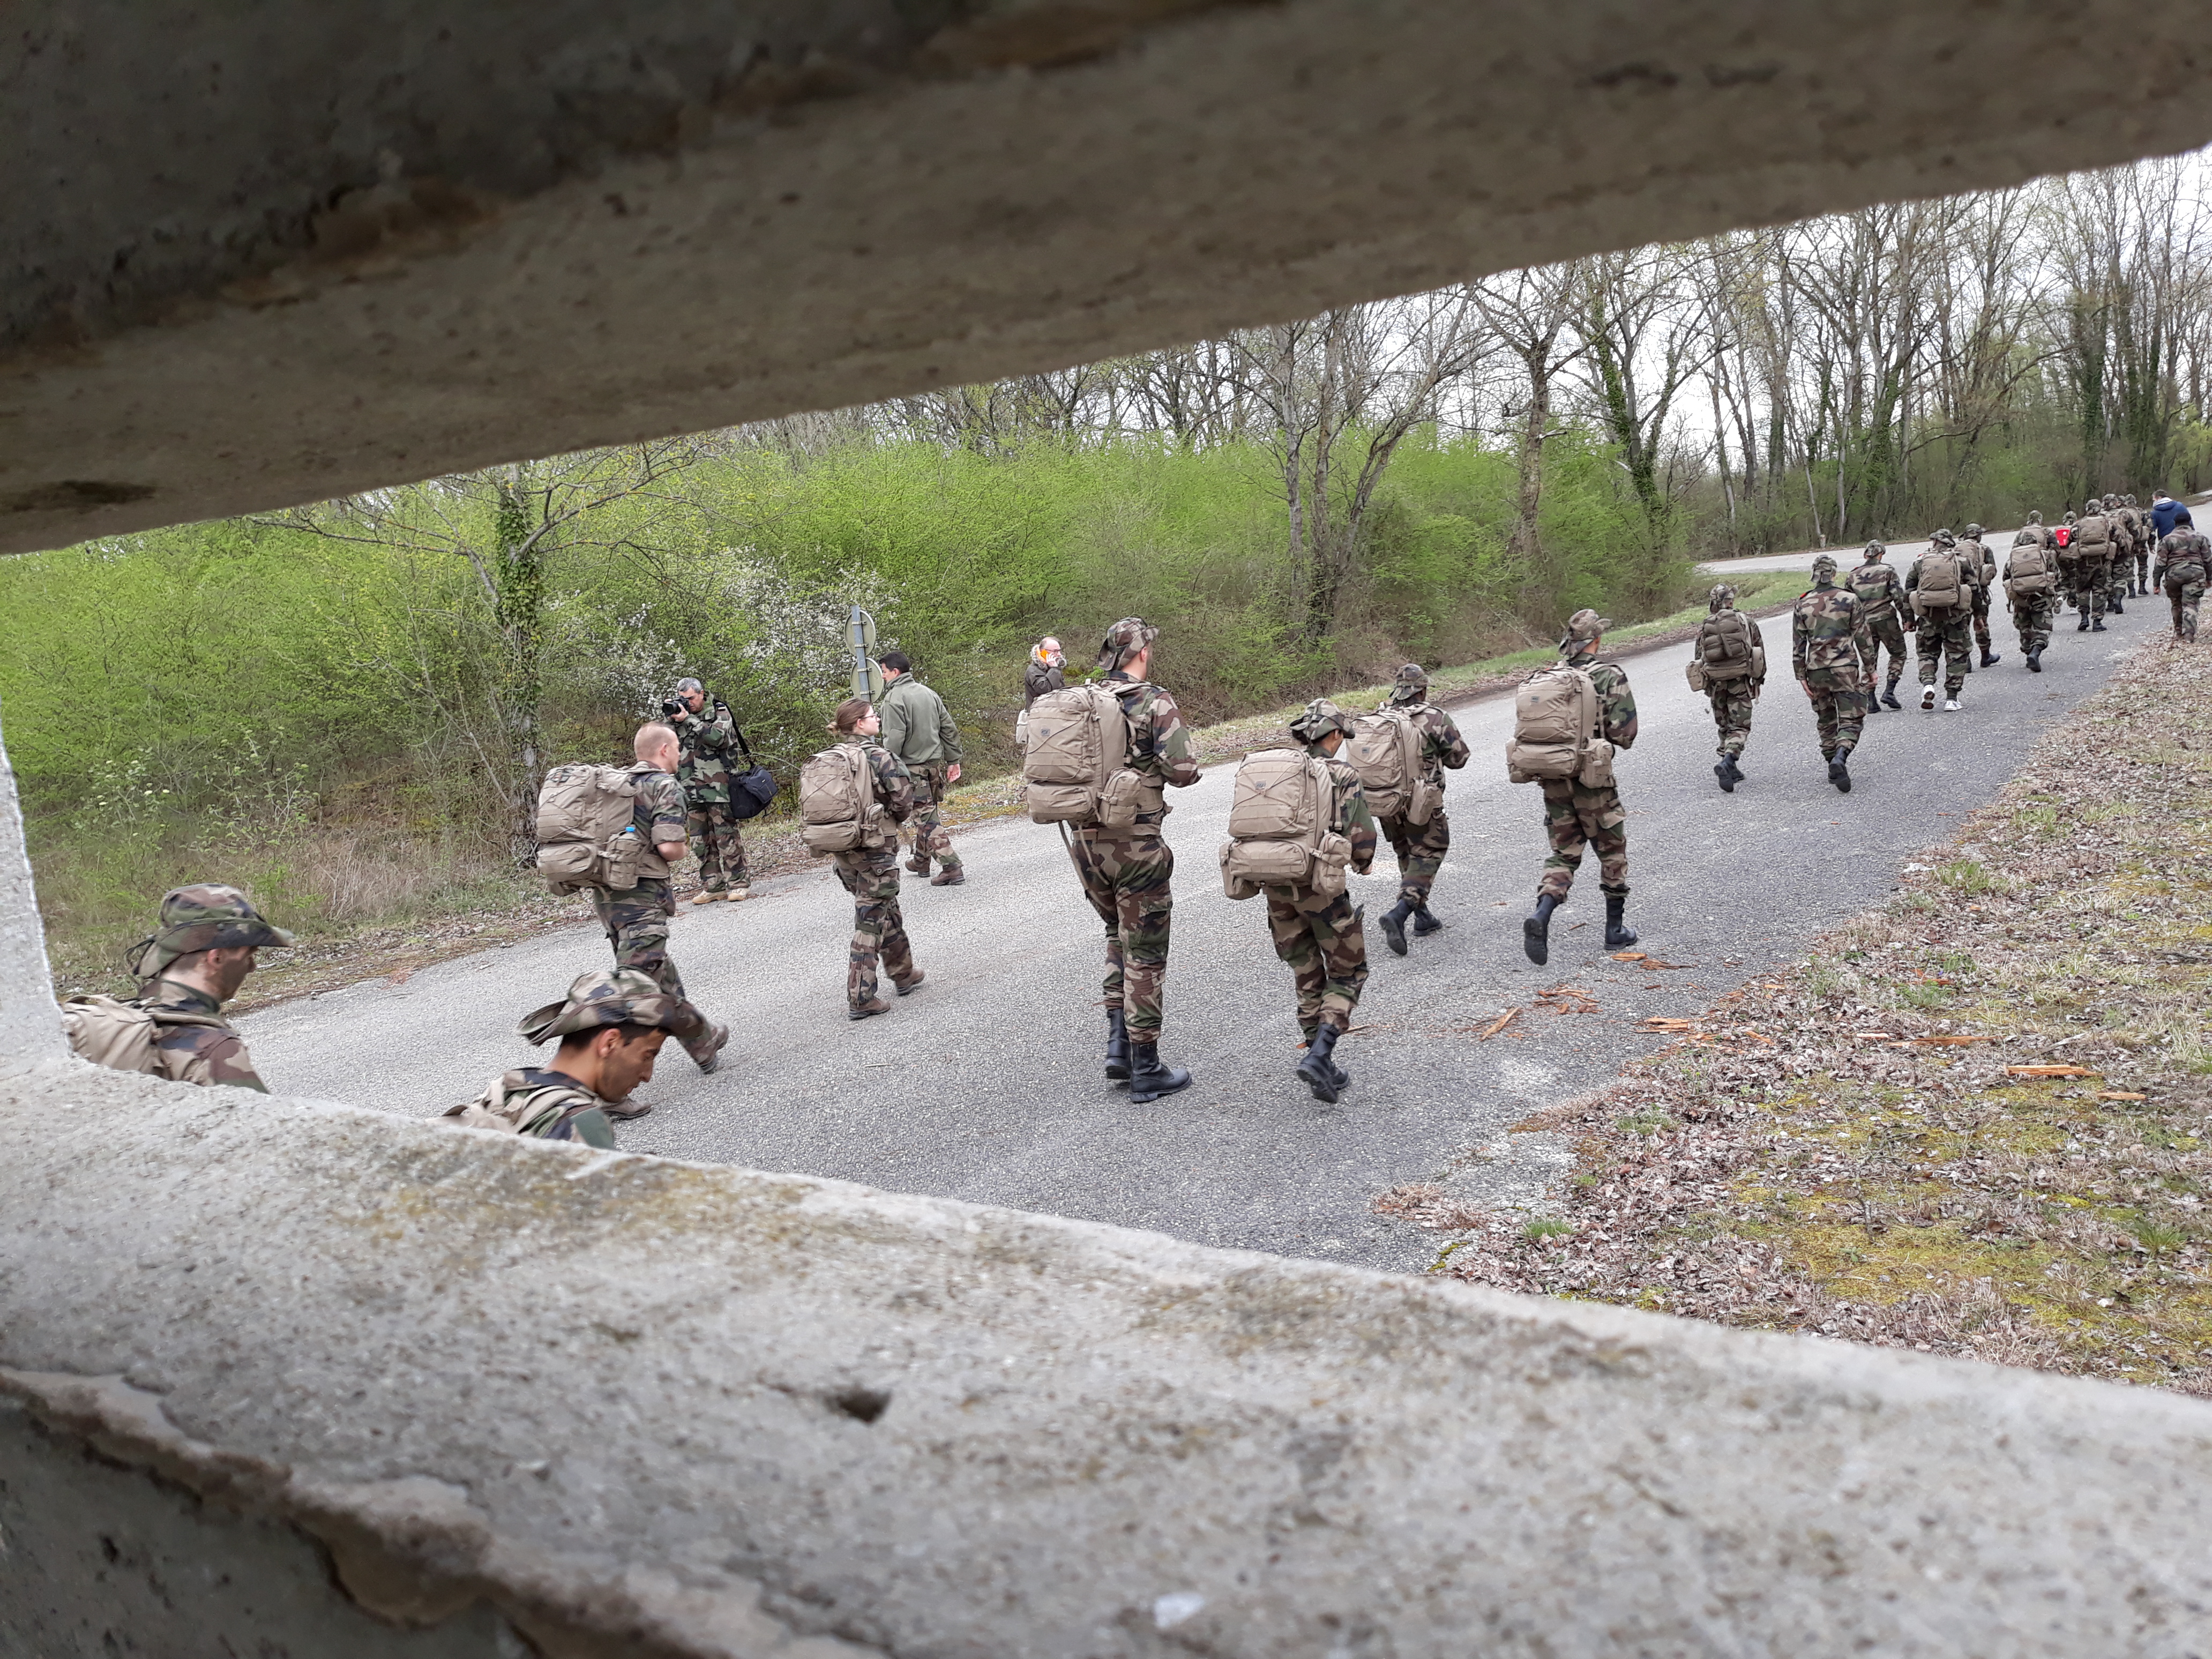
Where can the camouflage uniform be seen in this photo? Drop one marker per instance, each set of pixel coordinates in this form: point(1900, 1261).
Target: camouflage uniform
point(2090, 566)
point(1578, 814)
point(2032, 613)
point(194, 1043)
point(2136, 531)
point(919, 732)
point(547, 1104)
point(1731, 699)
point(636, 918)
point(1320, 940)
point(1420, 847)
point(871, 875)
point(707, 740)
point(1944, 631)
point(2184, 559)
point(1882, 621)
point(1984, 566)
point(2120, 568)
point(1825, 632)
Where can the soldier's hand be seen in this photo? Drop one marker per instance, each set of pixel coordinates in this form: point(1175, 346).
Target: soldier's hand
point(952, 773)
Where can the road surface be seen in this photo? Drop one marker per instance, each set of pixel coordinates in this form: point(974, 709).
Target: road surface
point(984, 1085)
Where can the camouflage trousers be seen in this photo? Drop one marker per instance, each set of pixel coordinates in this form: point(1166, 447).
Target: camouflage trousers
point(1579, 815)
point(1420, 848)
point(2086, 580)
point(1128, 880)
point(931, 839)
point(2117, 569)
point(1325, 944)
point(2142, 569)
point(1944, 633)
point(636, 921)
point(871, 875)
point(1838, 707)
point(715, 842)
point(1732, 702)
point(2183, 590)
point(2032, 613)
point(1982, 621)
point(1884, 633)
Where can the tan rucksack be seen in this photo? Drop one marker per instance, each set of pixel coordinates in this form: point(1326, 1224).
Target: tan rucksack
point(1942, 580)
point(511, 1105)
point(2031, 569)
point(1726, 649)
point(2092, 535)
point(1279, 827)
point(1385, 749)
point(1074, 764)
point(1555, 732)
point(586, 836)
point(122, 1036)
point(838, 811)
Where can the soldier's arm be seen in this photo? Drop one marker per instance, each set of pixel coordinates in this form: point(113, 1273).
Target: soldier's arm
point(893, 784)
point(219, 1059)
point(1358, 822)
point(718, 734)
point(1445, 742)
point(1797, 632)
point(1619, 710)
point(1171, 742)
point(948, 734)
point(668, 824)
point(891, 711)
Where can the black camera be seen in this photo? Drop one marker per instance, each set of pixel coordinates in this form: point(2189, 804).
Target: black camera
point(673, 708)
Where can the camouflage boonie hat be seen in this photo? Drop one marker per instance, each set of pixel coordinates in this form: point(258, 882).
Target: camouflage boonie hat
point(205, 916)
point(1824, 566)
point(1973, 533)
point(1412, 682)
point(605, 996)
point(1584, 626)
point(1876, 550)
point(1723, 595)
point(1318, 719)
point(1943, 538)
point(2035, 518)
point(1124, 640)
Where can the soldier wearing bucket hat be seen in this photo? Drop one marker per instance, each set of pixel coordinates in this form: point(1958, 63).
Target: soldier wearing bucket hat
point(611, 1025)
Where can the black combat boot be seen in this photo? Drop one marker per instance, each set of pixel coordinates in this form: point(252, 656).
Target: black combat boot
point(1537, 931)
point(1735, 771)
point(1148, 1078)
point(1990, 658)
point(1117, 1047)
point(2035, 659)
point(2096, 627)
point(1889, 696)
point(2082, 627)
point(1618, 934)
point(1839, 772)
point(1425, 920)
point(1727, 780)
point(1394, 926)
point(1317, 1072)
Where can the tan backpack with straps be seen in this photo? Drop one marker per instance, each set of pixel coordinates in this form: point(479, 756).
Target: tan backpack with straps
point(1555, 735)
point(1942, 583)
point(838, 811)
point(1279, 827)
point(2031, 569)
point(122, 1036)
point(585, 833)
point(1385, 749)
point(1075, 760)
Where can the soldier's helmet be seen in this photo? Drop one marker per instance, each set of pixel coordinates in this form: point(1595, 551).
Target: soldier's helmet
point(1317, 720)
point(1824, 568)
point(1412, 684)
point(1973, 533)
point(1583, 627)
point(1875, 550)
point(205, 916)
point(1124, 640)
point(2128, 499)
point(1721, 598)
point(2035, 518)
point(1944, 538)
point(606, 996)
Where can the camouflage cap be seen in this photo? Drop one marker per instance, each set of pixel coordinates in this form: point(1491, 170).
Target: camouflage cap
point(1824, 566)
point(1875, 550)
point(605, 996)
point(1973, 533)
point(1124, 640)
point(205, 916)
point(1721, 598)
point(2035, 518)
point(1584, 626)
point(1943, 538)
point(1318, 719)
point(1412, 684)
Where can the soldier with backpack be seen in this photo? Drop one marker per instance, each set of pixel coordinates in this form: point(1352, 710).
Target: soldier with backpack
point(1982, 566)
point(1296, 822)
point(1824, 653)
point(851, 798)
point(1942, 590)
point(2119, 563)
point(1728, 663)
point(200, 952)
point(615, 833)
point(2135, 532)
point(1099, 762)
point(2089, 545)
point(707, 738)
point(2185, 557)
point(612, 1024)
point(2031, 579)
point(1883, 622)
point(1399, 753)
point(919, 733)
point(1568, 721)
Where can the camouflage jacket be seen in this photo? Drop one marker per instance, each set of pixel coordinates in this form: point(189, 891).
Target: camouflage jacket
point(198, 1053)
point(918, 727)
point(1823, 629)
point(1616, 703)
point(658, 817)
point(2180, 548)
point(894, 783)
point(2128, 528)
point(708, 740)
point(1878, 588)
point(544, 1105)
point(1441, 743)
point(1160, 746)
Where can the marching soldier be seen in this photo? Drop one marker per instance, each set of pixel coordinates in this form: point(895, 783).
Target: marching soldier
point(2090, 542)
point(871, 874)
point(1420, 847)
point(1982, 566)
point(2184, 558)
point(2031, 579)
point(2120, 558)
point(919, 732)
point(1578, 814)
point(1728, 659)
point(1825, 632)
point(706, 735)
point(1126, 874)
point(611, 1025)
point(1942, 590)
point(2137, 529)
point(1882, 622)
point(1321, 938)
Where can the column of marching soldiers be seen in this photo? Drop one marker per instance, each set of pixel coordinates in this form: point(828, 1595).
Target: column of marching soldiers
point(1099, 759)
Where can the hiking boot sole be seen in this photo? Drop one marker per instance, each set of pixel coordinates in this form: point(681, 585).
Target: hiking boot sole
point(1393, 934)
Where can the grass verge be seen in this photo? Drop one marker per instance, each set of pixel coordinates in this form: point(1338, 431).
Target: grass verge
point(1972, 1122)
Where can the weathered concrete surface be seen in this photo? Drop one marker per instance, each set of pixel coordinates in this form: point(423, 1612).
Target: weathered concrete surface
point(30, 1030)
point(706, 1410)
point(257, 254)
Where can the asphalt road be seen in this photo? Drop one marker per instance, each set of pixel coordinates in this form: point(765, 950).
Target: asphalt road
point(984, 1085)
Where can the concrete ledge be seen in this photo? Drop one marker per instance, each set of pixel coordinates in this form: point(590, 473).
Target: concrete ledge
point(640, 1406)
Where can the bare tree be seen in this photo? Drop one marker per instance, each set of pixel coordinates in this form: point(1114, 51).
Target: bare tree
point(1529, 310)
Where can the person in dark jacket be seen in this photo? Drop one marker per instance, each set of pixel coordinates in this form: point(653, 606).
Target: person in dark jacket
point(2166, 513)
point(1046, 672)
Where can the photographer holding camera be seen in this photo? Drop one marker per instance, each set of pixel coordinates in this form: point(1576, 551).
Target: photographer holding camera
point(707, 735)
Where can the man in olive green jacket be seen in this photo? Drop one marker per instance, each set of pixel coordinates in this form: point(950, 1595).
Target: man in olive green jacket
point(919, 732)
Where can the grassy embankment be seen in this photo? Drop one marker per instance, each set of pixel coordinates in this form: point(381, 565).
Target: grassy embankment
point(1972, 1122)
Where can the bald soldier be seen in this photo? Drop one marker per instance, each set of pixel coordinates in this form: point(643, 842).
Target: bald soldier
point(205, 944)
